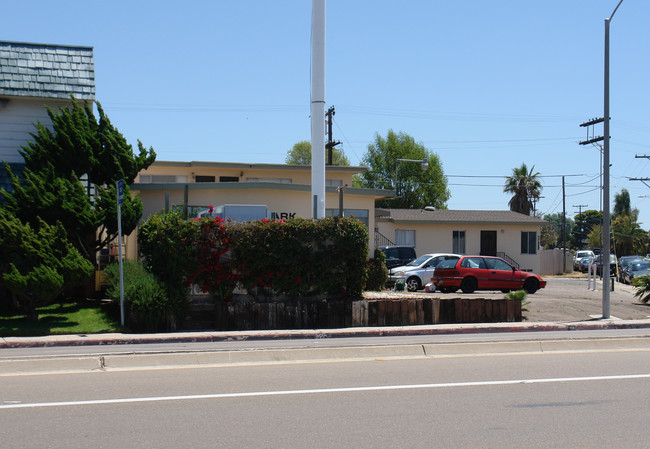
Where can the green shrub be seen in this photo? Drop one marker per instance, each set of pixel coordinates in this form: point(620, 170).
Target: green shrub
point(301, 257)
point(166, 243)
point(520, 295)
point(377, 272)
point(147, 305)
point(642, 285)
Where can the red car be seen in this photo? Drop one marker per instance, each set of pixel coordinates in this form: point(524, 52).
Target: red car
point(471, 273)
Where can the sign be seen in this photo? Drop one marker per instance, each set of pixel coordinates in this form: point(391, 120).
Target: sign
point(120, 191)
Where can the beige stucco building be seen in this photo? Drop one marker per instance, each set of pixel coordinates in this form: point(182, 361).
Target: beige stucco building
point(506, 234)
point(285, 190)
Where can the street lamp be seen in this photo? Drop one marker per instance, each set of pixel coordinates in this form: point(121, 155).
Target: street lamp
point(606, 212)
point(424, 164)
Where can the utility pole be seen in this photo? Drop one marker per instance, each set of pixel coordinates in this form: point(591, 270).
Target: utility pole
point(330, 144)
point(563, 227)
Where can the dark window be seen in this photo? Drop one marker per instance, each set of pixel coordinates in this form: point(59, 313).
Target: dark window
point(201, 178)
point(228, 179)
point(458, 242)
point(529, 243)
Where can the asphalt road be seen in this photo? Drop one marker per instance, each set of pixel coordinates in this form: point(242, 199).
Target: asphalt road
point(574, 398)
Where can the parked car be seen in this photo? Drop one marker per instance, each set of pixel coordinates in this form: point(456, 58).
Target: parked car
point(599, 264)
point(397, 256)
point(634, 271)
point(626, 261)
point(471, 273)
point(584, 264)
point(417, 273)
point(581, 254)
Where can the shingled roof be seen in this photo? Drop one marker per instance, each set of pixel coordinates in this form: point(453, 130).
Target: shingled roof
point(455, 216)
point(46, 71)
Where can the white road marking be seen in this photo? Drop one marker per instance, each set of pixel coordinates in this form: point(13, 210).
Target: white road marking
point(321, 391)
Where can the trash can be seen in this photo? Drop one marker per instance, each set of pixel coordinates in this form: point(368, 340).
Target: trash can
point(399, 285)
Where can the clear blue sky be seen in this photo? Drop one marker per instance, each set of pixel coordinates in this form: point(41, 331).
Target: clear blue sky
point(485, 85)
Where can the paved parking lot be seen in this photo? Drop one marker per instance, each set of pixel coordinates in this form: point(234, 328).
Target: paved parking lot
point(565, 299)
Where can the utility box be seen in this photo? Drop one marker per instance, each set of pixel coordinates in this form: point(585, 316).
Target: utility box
point(237, 212)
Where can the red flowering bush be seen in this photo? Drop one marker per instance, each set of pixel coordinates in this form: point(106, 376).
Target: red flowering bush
point(212, 269)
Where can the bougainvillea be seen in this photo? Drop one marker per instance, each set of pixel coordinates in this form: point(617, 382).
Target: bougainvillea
point(213, 271)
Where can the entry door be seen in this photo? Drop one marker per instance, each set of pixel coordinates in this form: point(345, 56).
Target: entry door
point(488, 243)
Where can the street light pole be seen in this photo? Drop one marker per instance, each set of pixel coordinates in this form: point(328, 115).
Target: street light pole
point(606, 213)
point(424, 163)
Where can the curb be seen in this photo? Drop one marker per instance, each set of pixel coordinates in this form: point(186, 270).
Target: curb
point(311, 334)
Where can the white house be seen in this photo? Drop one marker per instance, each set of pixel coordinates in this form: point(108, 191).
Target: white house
point(32, 78)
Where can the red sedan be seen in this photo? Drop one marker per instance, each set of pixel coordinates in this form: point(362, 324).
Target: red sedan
point(471, 273)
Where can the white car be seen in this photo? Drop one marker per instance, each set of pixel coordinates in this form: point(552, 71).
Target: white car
point(581, 254)
point(417, 273)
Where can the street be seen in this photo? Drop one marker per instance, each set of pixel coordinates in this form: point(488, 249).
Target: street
point(572, 398)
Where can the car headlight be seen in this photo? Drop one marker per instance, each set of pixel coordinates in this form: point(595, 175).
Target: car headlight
point(399, 273)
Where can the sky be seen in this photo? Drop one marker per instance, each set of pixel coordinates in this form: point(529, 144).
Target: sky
point(485, 85)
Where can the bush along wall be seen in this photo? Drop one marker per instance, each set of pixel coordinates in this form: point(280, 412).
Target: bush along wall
point(301, 257)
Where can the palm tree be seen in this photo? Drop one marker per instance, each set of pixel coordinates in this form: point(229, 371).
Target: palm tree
point(525, 187)
point(629, 238)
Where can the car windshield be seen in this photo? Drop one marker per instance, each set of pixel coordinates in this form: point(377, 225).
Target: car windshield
point(641, 266)
point(419, 261)
point(448, 263)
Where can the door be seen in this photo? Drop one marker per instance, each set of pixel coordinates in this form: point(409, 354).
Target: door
point(488, 243)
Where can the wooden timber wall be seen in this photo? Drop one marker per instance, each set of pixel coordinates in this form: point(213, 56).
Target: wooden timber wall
point(363, 313)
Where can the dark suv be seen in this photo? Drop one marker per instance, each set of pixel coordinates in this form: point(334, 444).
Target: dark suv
point(397, 256)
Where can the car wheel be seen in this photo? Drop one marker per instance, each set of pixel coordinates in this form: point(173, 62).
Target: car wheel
point(413, 284)
point(531, 285)
point(468, 285)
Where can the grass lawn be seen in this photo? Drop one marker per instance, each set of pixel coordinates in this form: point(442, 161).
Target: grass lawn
point(86, 317)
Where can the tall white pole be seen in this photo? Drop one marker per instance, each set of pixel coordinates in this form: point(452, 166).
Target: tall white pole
point(606, 212)
point(318, 108)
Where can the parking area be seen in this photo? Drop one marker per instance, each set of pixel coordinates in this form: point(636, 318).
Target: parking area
point(565, 299)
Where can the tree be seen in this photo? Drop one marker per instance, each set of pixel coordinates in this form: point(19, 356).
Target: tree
point(585, 223)
point(37, 263)
point(525, 187)
point(415, 188)
point(551, 234)
point(79, 146)
point(300, 154)
point(622, 206)
point(629, 238)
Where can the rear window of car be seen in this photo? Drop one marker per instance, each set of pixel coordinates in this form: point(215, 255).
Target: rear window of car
point(473, 262)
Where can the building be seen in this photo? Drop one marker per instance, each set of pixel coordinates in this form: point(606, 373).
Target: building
point(507, 234)
point(285, 190)
point(34, 77)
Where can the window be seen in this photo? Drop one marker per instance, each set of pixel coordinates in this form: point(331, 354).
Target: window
point(528, 242)
point(405, 237)
point(228, 179)
point(277, 180)
point(333, 183)
point(458, 242)
point(359, 214)
point(167, 179)
point(203, 178)
point(497, 264)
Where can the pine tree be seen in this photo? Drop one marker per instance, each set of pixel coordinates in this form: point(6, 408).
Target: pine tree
point(78, 147)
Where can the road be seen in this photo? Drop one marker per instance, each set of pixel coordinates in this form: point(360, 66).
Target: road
point(591, 397)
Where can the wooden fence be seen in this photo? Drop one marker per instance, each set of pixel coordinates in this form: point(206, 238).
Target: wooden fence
point(339, 314)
